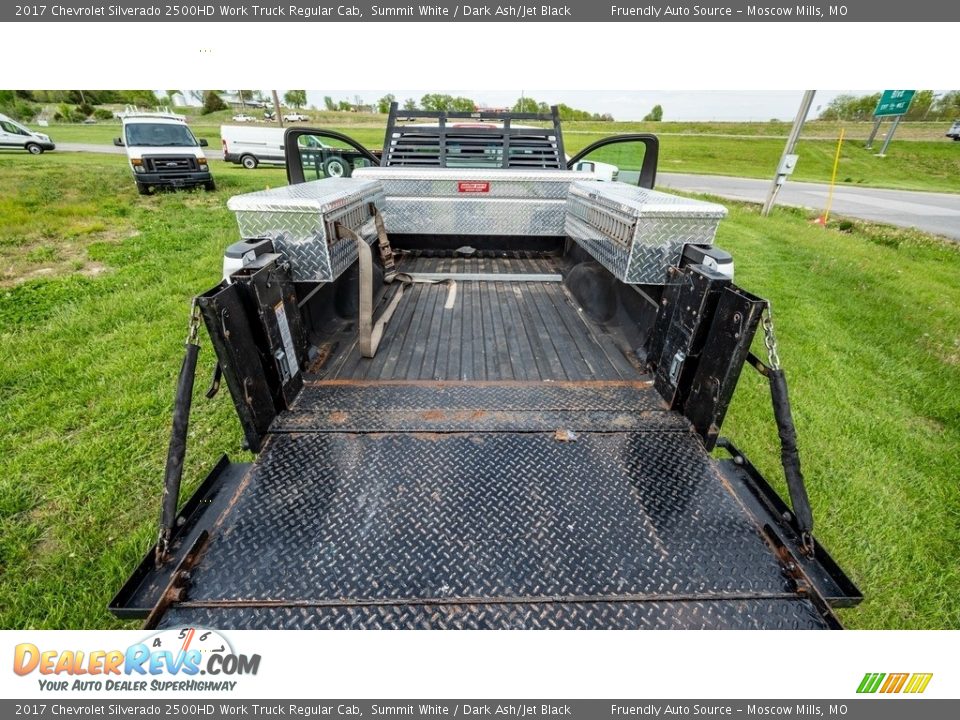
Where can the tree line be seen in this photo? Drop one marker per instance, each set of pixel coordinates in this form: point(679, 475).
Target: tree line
point(926, 105)
point(440, 102)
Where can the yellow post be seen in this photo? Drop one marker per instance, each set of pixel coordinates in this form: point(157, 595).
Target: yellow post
point(833, 178)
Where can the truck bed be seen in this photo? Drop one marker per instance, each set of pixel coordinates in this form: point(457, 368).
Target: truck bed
point(493, 331)
point(501, 463)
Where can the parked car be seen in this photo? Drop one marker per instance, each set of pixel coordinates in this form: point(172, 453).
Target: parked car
point(163, 152)
point(251, 146)
point(15, 135)
point(244, 118)
point(295, 117)
point(954, 131)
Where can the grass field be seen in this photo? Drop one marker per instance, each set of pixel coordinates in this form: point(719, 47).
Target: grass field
point(93, 309)
point(928, 162)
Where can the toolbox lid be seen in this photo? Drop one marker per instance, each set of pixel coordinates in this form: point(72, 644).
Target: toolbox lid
point(640, 202)
point(316, 196)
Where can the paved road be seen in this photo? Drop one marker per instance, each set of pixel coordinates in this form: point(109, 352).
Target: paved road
point(937, 213)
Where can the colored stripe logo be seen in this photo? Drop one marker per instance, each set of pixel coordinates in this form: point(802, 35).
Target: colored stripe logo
point(913, 683)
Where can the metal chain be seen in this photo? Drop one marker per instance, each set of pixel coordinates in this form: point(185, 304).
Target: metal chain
point(194, 327)
point(770, 339)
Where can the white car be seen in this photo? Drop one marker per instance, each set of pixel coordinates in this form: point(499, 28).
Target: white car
point(295, 117)
point(244, 118)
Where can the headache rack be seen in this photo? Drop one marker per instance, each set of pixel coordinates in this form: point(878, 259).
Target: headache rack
point(481, 139)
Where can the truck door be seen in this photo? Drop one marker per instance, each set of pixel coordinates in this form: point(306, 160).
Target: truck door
point(313, 154)
point(630, 159)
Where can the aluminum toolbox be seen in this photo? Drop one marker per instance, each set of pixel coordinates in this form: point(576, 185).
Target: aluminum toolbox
point(300, 219)
point(637, 233)
point(457, 201)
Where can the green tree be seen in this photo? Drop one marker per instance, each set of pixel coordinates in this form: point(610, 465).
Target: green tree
point(17, 107)
point(141, 98)
point(344, 105)
point(655, 115)
point(409, 104)
point(68, 113)
point(462, 104)
point(947, 106)
point(851, 107)
point(328, 103)
point(212, 102)
point(526, 105)
point(435, 102)
point(921, 105)
point(383, 104)
point(295, 98)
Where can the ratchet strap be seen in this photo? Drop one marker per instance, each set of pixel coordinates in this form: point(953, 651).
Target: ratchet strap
point(371, 331)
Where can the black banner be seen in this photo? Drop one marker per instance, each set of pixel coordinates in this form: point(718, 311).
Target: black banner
point(447, 11)
point(211, 708)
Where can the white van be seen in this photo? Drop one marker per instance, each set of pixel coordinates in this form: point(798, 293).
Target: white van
point(251, 145)
point(162, 151)
point(15, 135)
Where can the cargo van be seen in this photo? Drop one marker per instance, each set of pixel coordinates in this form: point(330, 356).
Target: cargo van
point(162, 151)
point(251, 145)
point(15, 135)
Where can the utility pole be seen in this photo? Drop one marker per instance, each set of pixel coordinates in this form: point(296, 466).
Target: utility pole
point(788, 159)
point(276, 108)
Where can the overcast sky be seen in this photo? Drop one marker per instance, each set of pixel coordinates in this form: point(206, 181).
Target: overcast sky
point(632, 105)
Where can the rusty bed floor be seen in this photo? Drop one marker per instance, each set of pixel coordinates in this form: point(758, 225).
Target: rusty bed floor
point(501, 463)
point(488, 331)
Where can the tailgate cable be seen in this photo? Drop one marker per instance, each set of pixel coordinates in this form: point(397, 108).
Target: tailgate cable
point(789, 455)
point(178, 437)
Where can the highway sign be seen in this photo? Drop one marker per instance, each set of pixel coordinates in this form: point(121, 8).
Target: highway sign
point(894, 102)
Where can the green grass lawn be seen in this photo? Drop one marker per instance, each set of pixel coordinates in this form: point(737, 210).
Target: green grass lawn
point(699, 148)
point(91, 343)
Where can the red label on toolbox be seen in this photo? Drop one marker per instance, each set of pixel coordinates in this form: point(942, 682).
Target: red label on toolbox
point(473, 187)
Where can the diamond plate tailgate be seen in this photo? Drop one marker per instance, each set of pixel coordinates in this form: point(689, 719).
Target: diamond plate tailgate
point(496, 526)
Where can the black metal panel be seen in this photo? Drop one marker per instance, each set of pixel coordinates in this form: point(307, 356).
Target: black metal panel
point(424, 516)
point(143, 590)
point(282, 326)
point(497, 144)
point(747, 614)
point(721, 360)
point(351, 406)
point(687, 312)
point(232, 330)
point(828, 581)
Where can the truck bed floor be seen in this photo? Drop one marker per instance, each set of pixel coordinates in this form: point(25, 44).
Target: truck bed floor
point(500, 463)
point(487, 505)
point(488, 331)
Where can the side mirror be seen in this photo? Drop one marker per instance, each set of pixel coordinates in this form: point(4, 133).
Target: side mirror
point(118, 142)
point(204, 143)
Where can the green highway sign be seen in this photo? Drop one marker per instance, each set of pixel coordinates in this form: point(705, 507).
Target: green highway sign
point(894, 102)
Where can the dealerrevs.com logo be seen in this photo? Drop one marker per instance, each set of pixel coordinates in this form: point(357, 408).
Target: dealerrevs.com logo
point(170, 660)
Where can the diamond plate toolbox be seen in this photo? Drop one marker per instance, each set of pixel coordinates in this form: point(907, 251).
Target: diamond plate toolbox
point(637, 233)
point(447, 201)
point(300, 221)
